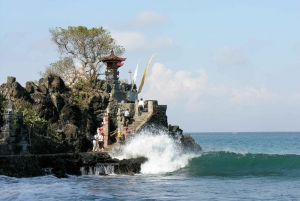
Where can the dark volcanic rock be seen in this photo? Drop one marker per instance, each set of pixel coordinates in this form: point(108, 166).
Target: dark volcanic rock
point(70, 113)
point(189, 144)
point(17, 91)
point(31, 87)
point(20, 166)
point(130, 166)
point(10, 80)
point(63, 164)
point(59, 168)
point(43, 145)
point(91, 159)
point(56, 84)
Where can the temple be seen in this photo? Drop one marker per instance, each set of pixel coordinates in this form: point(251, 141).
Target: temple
point(63, 145)
point(112, 63)
point(69, 124)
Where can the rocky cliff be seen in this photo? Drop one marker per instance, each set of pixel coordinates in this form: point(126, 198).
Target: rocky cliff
point(72, 115)
point(59, 123)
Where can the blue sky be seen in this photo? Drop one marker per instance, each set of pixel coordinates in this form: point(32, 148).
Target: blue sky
point(220, 65)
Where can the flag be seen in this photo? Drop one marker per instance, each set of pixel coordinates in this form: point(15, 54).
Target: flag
point(145, 74)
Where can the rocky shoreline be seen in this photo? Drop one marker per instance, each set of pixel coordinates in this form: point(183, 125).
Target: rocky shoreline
point(61, 165)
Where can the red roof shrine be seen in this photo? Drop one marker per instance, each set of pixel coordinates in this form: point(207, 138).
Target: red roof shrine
point(113, 62)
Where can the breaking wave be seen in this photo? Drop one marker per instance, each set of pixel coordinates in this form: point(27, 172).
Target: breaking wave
point(221, 163)
point(164, 154)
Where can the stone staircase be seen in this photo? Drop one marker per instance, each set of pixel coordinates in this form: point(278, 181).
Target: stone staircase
point(138, 122)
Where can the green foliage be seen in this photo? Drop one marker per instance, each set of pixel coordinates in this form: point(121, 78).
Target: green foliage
point(86, 47)
point(82, 99)
point(30, 116)
point(79, 85)
point(55, 135)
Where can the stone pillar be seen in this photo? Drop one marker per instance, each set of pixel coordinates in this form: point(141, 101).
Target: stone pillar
point(24, 146)
point(150, 106)
point(119, 118)
point(10, 80)
point(120, 122)
point(106, 128)
point(136, 108)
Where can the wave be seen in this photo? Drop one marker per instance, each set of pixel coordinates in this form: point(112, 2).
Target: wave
point(222, 163)
point(164, 154)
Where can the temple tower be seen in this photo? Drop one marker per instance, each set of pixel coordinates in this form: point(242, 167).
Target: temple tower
point(112, 63)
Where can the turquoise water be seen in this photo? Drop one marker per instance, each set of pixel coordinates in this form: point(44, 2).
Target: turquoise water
point(241, 166)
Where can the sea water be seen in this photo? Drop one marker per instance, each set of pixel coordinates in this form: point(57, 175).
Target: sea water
point(232, 166)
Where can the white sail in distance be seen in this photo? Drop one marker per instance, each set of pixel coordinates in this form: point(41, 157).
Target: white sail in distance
point(145, 74)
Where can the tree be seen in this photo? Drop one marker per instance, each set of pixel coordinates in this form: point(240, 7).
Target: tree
point(66, 69)
point(84, 47)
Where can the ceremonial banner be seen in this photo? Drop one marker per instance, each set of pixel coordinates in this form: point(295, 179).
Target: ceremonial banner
point(145, 74)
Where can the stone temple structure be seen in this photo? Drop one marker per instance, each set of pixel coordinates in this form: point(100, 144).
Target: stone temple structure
point(12, 136)
point(58, 105)
point(112, 63)
point(72, 126)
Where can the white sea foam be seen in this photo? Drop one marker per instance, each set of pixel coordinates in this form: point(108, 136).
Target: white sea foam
point(163, 153)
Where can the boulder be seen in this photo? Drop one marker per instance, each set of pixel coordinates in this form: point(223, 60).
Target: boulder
point(31, 87)
point(44, 106)
point(56, 84)
point(129, 166)
point(70, 113)
point(16, 91)
point(189, 144)
point(43, 86)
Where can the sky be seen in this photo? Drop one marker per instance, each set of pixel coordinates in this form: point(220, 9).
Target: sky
point(221, 66)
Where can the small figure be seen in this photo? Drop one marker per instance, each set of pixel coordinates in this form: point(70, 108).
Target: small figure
point(95, 143)
point(141, 106)
point(100, 137)
point(126, 116)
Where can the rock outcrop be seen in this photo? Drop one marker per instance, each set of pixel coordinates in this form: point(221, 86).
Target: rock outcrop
point(72, 117)
point(62, 165)
point(187, 142)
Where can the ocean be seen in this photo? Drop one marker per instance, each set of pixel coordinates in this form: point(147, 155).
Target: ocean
point(232, 166)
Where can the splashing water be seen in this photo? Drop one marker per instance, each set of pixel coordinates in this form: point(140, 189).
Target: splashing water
point(99, 169)
point(164, 154)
